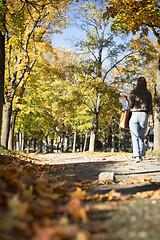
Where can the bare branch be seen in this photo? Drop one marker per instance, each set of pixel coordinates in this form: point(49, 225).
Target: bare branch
point(8, 62)
point(94, 55)
point(155, 33)
point(91, 103)
point(117, 64)
point(22, 76)
point(14, 74)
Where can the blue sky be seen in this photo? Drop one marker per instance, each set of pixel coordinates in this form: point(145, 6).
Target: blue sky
point(69, 35)
point(66, 38)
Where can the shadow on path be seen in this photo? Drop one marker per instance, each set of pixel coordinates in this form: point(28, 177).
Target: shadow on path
point(126, 189)
point(89, 172)
point(139, 173)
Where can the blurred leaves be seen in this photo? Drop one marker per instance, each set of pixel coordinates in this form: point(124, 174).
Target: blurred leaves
point(37, 204)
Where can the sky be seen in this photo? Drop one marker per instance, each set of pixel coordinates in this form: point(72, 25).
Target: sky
point(69, 35)
point(67, 38)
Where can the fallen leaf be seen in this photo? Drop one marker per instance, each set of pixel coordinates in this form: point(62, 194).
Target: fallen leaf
point(76, 210)
point(156, 195)
point(146, 194)
point(78, 193)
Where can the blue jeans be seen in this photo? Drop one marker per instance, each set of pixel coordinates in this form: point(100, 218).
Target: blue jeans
point(138, 126)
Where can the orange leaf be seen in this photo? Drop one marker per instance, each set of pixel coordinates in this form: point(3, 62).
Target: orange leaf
point(156, 195)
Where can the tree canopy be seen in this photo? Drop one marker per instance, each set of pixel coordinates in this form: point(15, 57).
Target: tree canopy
point(134, 15)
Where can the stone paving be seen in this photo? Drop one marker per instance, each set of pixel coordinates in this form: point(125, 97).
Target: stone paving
point(130, 177)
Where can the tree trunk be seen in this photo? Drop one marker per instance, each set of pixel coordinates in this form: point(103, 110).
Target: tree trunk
point(85, 142)
point(52, 147)
point(74, 141)
point(23, 142)
point(66, 144)
point(11, 130)
point(7, 109)
point(92, 141)
point(34, 145)
point(93, 132)
point(40, 143)
point(20, 141)
point(2, 69)
point(157, 112)
point(17, 142)
point(13, 120)
point(46, 144)
point(81, 143)
point(113, 142)
point(28, 146)
point(57, 143)
point(103, 141)
point(2, 64)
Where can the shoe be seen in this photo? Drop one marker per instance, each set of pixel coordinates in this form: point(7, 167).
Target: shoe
point(138, 159)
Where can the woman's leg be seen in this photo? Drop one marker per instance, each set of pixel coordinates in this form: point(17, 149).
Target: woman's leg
point(143, 120)
point(135, 128)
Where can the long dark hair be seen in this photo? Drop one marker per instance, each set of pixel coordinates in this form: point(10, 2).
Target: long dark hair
point(141, 83)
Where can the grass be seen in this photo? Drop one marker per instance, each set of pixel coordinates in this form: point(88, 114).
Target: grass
point(4, 151)
point(153, 153)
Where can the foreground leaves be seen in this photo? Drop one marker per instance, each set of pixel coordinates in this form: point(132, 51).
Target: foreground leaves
point(37, 205)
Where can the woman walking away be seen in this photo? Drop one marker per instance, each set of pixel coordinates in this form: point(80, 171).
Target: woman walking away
point(140, 104)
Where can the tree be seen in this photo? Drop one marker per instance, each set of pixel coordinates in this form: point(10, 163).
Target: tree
point(98, 47)
point(28, 26)
point(2, 56)
point(47, 104)
point(139, 16)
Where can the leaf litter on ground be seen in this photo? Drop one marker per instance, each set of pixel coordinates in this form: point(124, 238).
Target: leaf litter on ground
point(39, 206)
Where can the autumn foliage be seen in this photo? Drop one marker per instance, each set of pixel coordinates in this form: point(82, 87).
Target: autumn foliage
point(37, 203)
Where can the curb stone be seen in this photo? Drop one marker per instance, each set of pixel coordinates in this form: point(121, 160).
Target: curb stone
point(103, 176)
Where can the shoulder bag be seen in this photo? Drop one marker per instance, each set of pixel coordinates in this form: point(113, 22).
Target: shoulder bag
point(124, 119)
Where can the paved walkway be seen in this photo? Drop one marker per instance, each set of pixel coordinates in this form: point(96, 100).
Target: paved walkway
point(130, 176)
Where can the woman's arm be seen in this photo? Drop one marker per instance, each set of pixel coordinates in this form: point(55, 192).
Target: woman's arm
point(127, 101)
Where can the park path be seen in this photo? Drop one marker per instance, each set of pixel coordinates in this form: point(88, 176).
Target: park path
point(130, 177)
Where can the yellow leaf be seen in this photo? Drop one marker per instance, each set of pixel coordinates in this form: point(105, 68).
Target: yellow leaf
point(113, 195)
point(78, 193)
